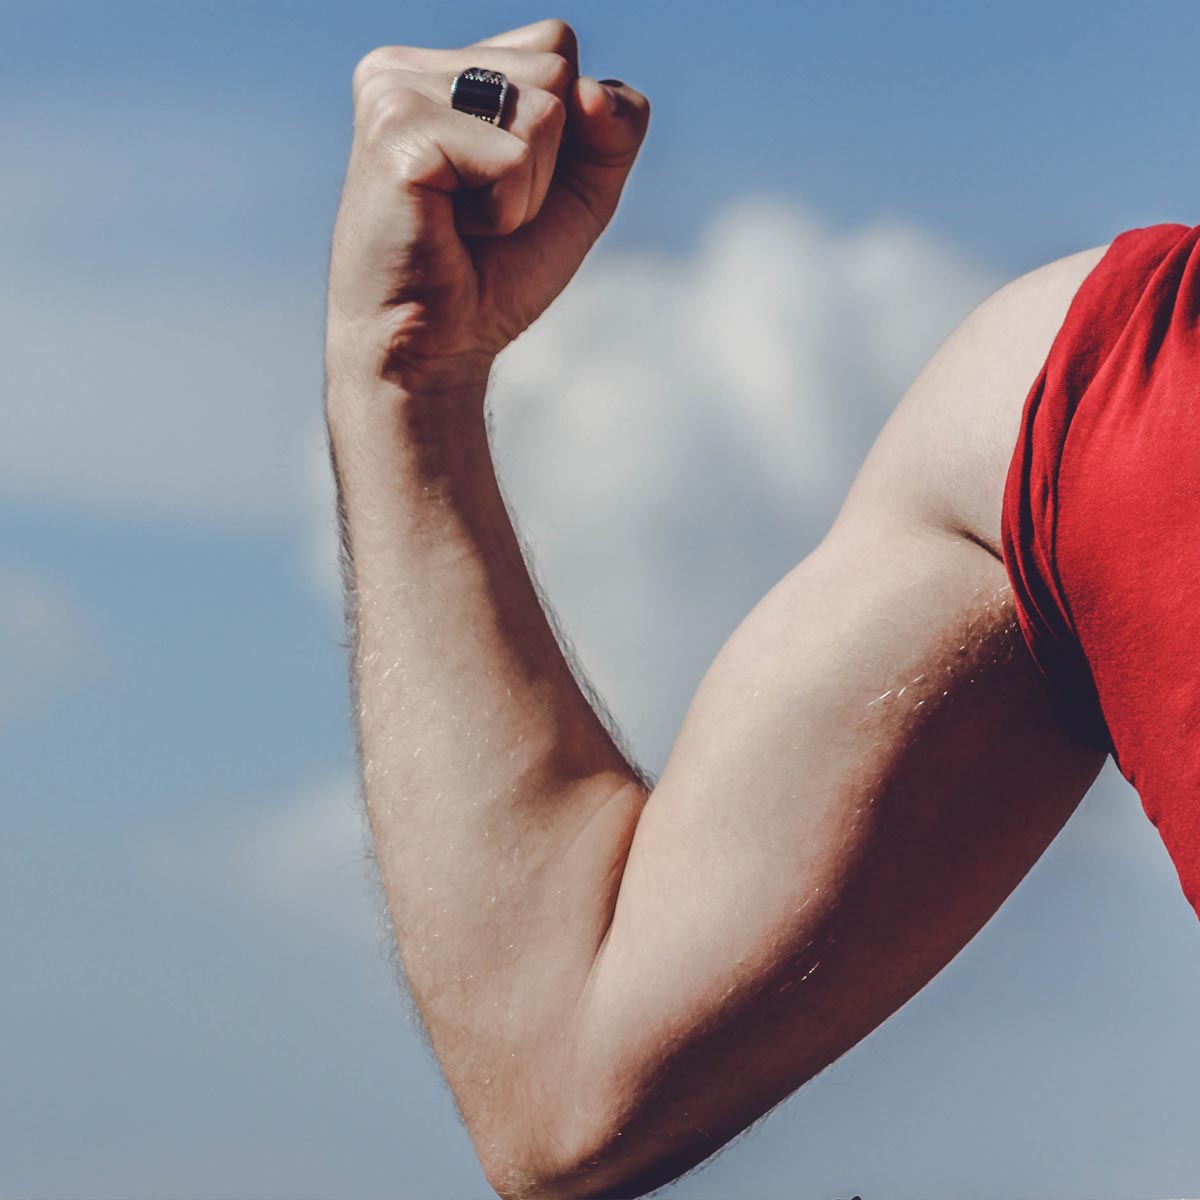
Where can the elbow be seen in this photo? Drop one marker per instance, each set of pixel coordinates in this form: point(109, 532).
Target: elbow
point(557, 1143)
point(584, 1159)
point(537, 1163)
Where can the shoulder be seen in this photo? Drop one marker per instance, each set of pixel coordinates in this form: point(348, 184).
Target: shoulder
point(943, 455)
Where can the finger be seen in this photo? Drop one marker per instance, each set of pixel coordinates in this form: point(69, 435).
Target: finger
point(542, 69)
point(606, 125)
point(607, 121)
point(441, 150)
point(552, 36)
point(599, 148)
point(535, 116)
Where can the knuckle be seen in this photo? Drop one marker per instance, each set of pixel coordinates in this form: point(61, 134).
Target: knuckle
point(385, 109)
point(556, 72)
point(560, 37)
point(382, 58)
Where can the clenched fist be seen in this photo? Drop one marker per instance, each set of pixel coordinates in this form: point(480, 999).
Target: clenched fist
point(453, 235)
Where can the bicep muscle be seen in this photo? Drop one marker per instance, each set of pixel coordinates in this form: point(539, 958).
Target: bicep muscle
point(867, 770)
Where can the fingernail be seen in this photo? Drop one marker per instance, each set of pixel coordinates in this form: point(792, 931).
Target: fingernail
point(615, 100)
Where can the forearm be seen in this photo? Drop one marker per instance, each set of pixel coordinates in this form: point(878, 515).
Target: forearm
point(501, 809)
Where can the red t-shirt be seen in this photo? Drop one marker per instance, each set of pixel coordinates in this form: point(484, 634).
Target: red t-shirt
point(1101, 524)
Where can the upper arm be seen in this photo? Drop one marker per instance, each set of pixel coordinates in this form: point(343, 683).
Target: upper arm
point(868, 768)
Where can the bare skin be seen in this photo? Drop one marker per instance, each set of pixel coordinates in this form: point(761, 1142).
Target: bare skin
point(618, 978)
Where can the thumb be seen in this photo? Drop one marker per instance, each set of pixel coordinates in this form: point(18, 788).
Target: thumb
point(606, 125)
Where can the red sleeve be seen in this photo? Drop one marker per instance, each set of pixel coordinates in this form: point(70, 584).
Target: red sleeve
point(1100, 525)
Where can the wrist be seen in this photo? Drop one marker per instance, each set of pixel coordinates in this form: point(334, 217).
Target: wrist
point(367, 389)
point(367, 353)
point(392, 435)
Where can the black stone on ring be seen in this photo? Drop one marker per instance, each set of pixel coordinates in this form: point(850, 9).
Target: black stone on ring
point(481, 93)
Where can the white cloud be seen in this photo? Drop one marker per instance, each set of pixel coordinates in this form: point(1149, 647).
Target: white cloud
point(676, 435)
point(46, 642)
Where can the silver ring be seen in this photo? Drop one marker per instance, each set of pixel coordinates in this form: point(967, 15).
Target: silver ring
point(481, 93)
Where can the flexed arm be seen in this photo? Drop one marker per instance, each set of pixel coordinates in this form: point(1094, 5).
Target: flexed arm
point(500, 808)
point(615, 978)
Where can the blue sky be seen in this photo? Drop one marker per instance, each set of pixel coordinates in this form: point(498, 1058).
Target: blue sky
point(197, 1001)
